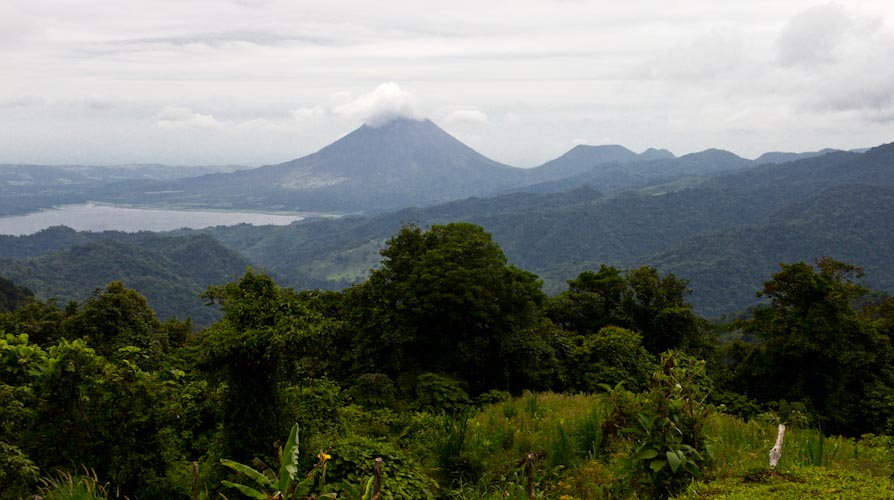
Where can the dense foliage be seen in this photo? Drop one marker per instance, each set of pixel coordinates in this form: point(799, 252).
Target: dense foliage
point(170, 271)
point(433, 364)
point(12, 296)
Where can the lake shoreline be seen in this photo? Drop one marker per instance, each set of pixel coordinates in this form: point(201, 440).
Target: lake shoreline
point(100, 216)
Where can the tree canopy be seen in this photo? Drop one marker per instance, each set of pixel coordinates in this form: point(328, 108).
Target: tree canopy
point(446, 300)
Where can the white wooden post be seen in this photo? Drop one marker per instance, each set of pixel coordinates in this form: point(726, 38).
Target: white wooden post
point(776, 451)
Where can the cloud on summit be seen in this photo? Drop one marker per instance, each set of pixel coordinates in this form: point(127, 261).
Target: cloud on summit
point(387, 102)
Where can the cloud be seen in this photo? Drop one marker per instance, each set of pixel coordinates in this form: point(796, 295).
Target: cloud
point(387, 102)
point(713, 54)
point(309, 112)
point(841, 63)
point(380, 106)
point(813, 36)
point(182, 117)
point(22, 101)
point(467, 116)
point(15, 26)
point(511, 118)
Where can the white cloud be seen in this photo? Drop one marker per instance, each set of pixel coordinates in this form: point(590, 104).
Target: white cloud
point(22, 101)
point(387, 102)
point(645, 72)
point(183, 117)
point(467, 116)
point(718, 53)
point(813, 36)
point(511, 118)
point(16, 28)
point(842, 62)
point(309, 112)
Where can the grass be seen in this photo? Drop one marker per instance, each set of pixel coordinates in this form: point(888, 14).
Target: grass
point(741, 447)
point(67, 486)
point(815, 483)
point(575, 462)
point(564, 429)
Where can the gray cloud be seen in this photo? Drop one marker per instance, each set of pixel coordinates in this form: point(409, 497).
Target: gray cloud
point(22, 101)
point(813, 36)
point(268, 80)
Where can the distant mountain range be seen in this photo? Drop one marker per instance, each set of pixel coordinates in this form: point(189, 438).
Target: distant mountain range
point(28, 188)
point(407, 163)
point(719, 220)
point(399, 164)
point(727, 234)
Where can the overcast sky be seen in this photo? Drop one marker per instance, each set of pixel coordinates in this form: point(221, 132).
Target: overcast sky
point(264, 81)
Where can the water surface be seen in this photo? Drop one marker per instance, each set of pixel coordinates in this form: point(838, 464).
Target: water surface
point(96, 217)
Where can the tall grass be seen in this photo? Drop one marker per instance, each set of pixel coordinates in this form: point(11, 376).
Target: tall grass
point(742, 447)
point(566, 428)
point(68, 486)
point(566, 432)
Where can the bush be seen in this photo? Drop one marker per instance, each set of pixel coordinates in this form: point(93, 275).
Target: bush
point(669, 443)
point(353, 458)
point(436, 393)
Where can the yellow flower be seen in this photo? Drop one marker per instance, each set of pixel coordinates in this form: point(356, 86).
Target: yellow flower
point(323, 456)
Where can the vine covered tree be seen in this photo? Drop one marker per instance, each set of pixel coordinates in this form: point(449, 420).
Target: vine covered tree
point(815, 347)
point(639, 299)
point(249, 352)
point(447, 301)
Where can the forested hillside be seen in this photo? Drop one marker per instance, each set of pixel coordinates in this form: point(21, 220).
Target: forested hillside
point(648, 169)
point(170, 271)
point(453, 367)
point(724, 234)
point(12, 296)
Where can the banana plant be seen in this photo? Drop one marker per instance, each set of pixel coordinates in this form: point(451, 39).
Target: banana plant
point(288, 484)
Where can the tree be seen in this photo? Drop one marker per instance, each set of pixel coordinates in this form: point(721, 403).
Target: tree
point(639, 299)
point(249, 352)
point(447, 301)
point(96, 413)
point(17, 358)
point(13, 296)
point(815, 348)
point(592, 301)
point(610, 356)
point(118, 317)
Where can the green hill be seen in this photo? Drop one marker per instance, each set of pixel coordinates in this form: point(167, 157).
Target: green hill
point(760, 216)
point(170, 271)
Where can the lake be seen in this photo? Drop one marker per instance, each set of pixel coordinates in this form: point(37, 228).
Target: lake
point(97, 217)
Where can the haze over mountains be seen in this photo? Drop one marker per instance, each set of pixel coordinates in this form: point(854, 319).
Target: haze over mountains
point(714, 218)
point(399, 163)
point(408, 162)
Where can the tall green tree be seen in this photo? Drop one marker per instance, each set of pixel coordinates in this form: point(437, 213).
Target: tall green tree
point(592, 301)
point(17, 360)
point(115, 317)
point(250, 352)
point(610, 356)
point(12, 296)
point(815, 348)
point(93, 412)
point(447, 301)
point(639, 299)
